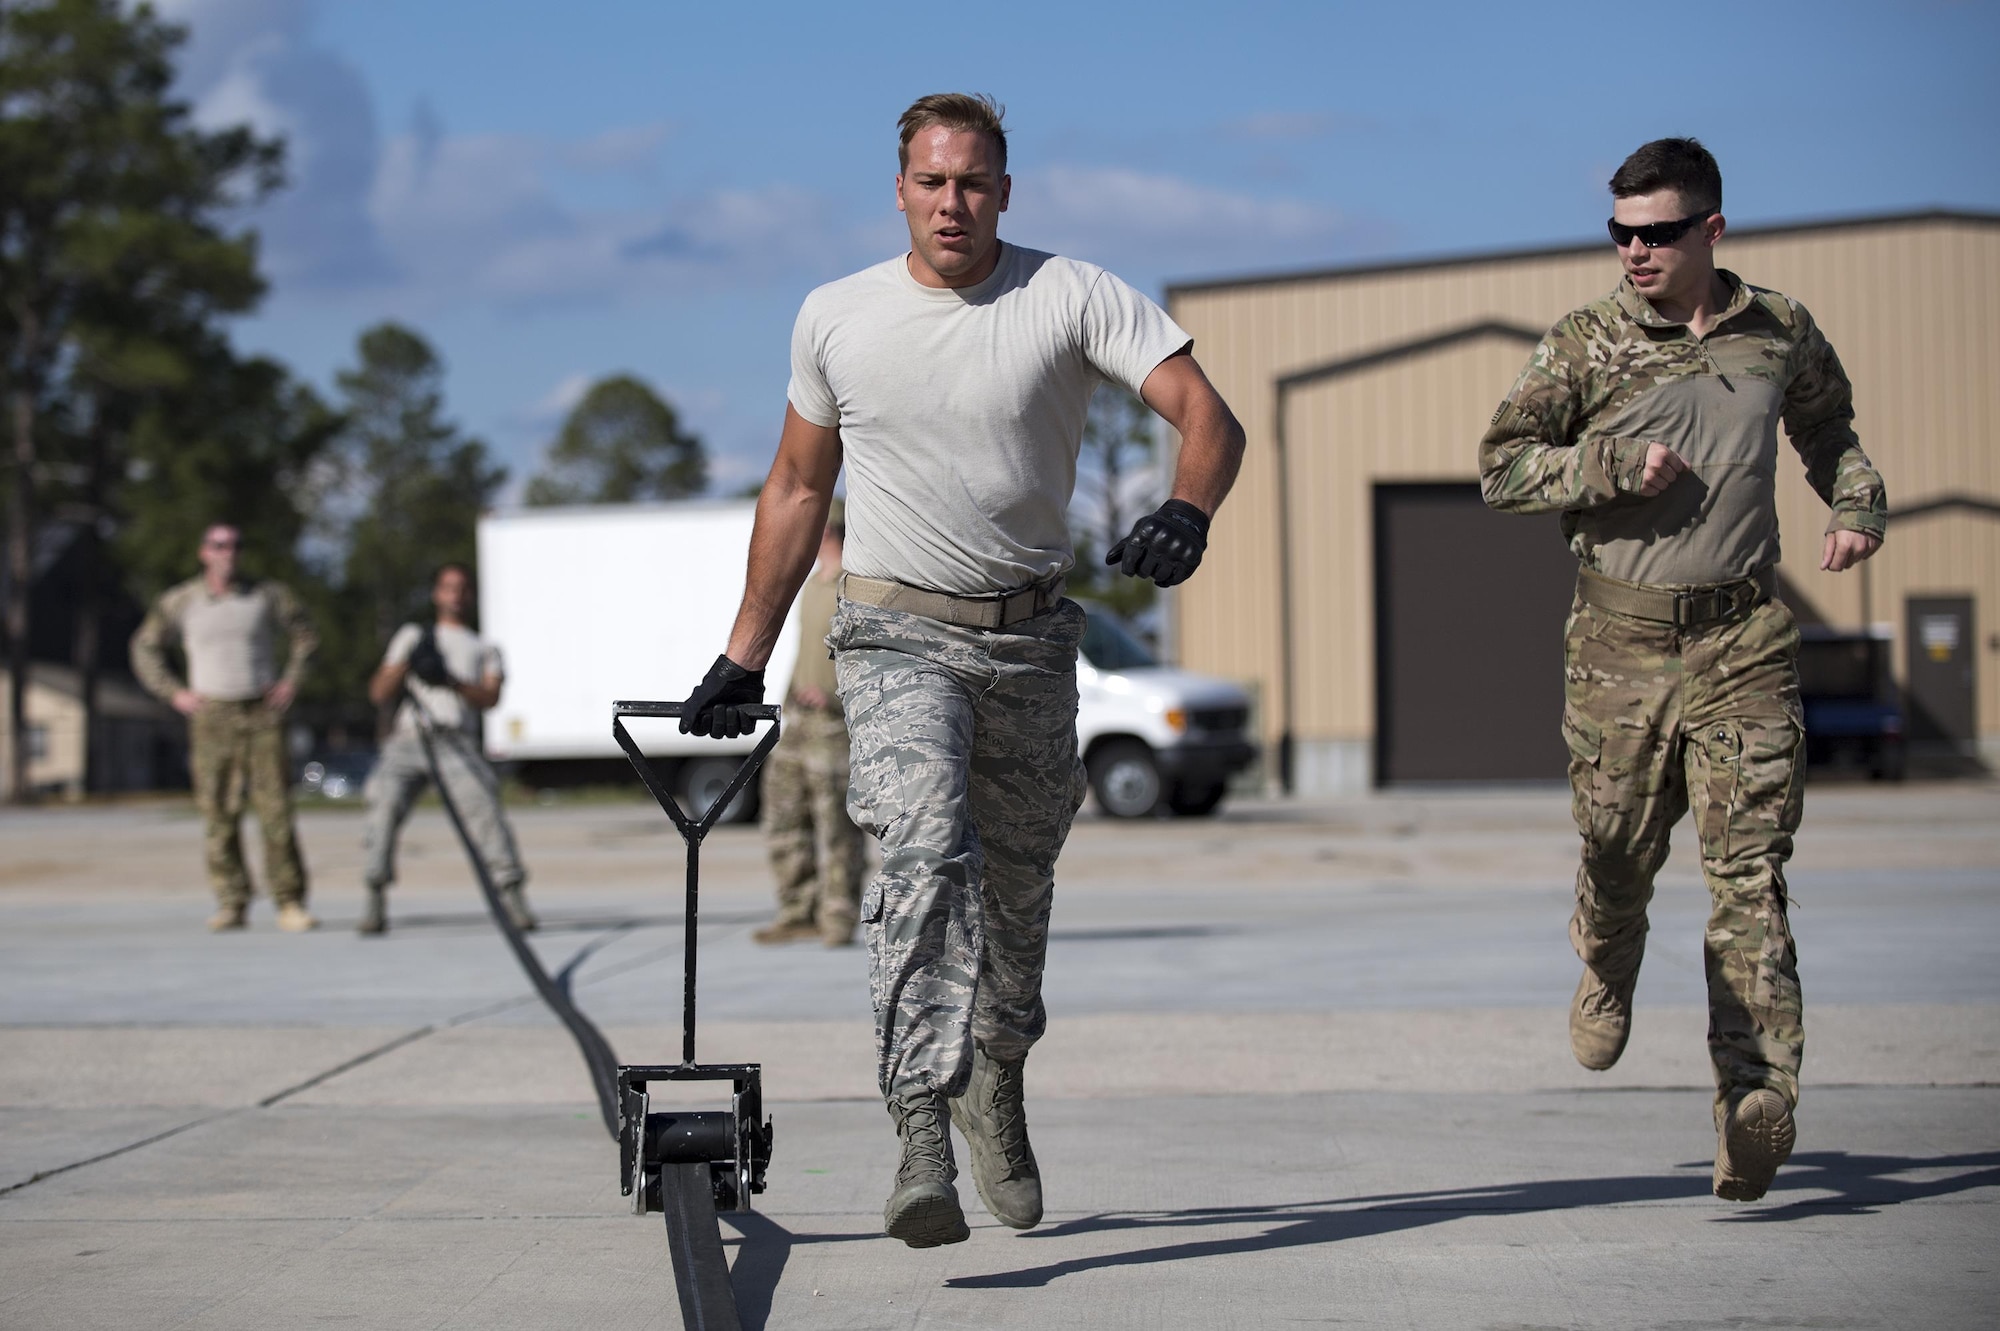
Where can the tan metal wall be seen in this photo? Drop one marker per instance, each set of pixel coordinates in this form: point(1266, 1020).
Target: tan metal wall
point(1912, 306)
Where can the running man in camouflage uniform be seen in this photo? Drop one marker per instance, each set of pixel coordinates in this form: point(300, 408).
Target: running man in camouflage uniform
point(1649, 420)
point(235, 701)
point(952, 381)
point(817, 853)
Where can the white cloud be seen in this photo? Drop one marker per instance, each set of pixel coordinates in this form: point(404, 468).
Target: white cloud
point(429, 221)
point(556, 403)
point(478, 217)
point(625, 148)
point(1293, 125)
point(252, 61)
point(1117, 216)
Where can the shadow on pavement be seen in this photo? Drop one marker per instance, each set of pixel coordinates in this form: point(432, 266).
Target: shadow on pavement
point(561, 924)
point(760, 1261)
point(1860, 1184)
point(1863, 1184)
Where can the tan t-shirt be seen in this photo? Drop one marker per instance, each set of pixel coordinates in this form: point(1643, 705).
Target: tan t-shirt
point(818, 600)
point(229, 640)
point(961, 411)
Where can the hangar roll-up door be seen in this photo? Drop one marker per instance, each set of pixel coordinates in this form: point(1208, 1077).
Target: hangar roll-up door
point(1469, 611)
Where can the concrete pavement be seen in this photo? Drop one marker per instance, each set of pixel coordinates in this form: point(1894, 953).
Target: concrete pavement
point(1306, 1065)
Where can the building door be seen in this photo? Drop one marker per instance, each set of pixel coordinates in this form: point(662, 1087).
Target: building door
point(1469, 611)
point(1939, 634)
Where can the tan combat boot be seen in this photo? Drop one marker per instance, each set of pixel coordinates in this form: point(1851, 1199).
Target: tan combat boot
point(229, 917)
point(375, 914)
point(923, 1211)
point(515, 902)
point(779, 932)
point(294, 918)
point(1754, 1135)
point(1600, 1019)
point(994, 1119)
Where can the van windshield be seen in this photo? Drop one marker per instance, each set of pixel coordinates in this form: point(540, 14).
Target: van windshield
point(1109, 645)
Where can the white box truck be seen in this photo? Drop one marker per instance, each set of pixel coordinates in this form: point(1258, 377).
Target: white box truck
point(593, 604)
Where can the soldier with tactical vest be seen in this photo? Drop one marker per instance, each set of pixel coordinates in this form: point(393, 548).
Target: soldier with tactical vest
point(1649, 420)
point(235, 699)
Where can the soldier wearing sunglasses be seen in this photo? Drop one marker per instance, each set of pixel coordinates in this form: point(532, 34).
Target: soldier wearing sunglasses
point(1649, 420)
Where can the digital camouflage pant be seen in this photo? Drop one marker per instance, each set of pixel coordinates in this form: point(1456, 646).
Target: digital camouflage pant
point(401, 776)
point(237, 757)
point(965, 768)
point(817, 853)
point(1660, 720)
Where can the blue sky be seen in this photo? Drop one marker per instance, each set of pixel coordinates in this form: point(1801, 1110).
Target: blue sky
point(551, 194)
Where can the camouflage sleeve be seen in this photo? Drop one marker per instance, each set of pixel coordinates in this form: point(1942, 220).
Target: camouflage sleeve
point(1819, 420)
point(292, 618)
point(149, 648)
point(1527, 460)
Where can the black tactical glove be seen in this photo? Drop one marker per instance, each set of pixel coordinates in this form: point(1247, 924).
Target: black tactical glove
point(427, 662)
point(715, 708)
point(1165, 545)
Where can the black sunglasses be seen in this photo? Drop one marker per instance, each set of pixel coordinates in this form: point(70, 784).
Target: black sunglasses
point(1653, 234)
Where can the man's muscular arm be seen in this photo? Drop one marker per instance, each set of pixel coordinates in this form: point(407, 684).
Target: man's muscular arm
point(791, 515)
point(1211, 438)
point(1166, 545)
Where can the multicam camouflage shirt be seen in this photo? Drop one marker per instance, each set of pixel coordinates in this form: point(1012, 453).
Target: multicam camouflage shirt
point(1615, 376)
point(228, 640)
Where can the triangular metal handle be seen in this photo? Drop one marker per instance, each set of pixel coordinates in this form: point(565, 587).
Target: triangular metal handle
point(692, 830)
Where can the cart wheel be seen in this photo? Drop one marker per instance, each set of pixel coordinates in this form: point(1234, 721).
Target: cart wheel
point(1197, 801)
point(1126, 779)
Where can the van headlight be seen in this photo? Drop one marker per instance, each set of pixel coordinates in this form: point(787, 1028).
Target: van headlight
point(1176, 718)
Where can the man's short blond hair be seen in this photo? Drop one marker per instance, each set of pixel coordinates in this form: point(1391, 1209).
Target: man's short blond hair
point(971, 111)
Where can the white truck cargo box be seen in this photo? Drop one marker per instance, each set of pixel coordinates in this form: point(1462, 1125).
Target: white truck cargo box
point(593, 604)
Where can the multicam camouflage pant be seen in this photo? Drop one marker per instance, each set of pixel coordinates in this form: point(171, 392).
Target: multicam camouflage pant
point(401, 776)
point(965, 768)
point(1658, 719)
point(817, 853)
point(237, 755)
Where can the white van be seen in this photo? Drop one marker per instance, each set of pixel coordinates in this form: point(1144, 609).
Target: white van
point(1154, 738)
point(632, 601)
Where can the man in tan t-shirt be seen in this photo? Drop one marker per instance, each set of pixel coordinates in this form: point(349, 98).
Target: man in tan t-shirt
point(950, 383)
point(235, 699)
point(816, 850)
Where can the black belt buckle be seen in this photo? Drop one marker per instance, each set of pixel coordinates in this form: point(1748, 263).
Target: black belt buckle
point(1712, 605)
point(1693, 609)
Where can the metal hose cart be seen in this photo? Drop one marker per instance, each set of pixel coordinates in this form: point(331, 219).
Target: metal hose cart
point(688, 1165)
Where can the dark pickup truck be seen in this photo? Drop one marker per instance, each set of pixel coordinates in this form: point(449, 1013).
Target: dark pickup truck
point(1853, 716)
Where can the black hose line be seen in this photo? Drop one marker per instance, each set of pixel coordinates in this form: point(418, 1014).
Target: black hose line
point(590, 1041)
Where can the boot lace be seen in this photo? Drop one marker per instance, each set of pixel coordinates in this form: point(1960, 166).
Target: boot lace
point(1010, 1117)
point(924, 1148)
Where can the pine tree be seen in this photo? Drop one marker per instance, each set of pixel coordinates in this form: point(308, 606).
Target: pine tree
point(406, 496)
point(114, 257)
point(621, 443)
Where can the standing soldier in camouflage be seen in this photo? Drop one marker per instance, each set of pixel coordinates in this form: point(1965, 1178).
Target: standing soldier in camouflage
point(1649, 420)
point(816, 850)
point(452, 675)
point(235, 701)
point(952, 381)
